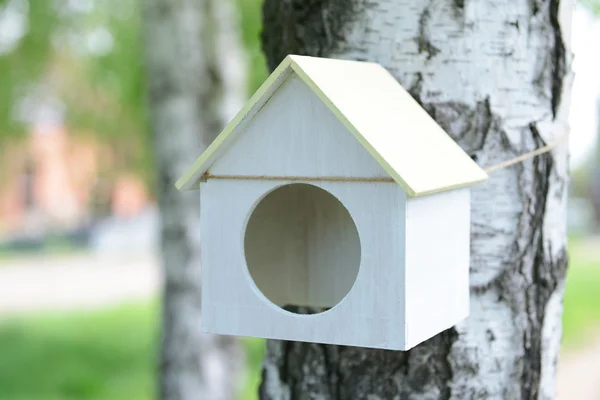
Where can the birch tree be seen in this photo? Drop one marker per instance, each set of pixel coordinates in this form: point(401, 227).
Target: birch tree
point(196, 82)
point(496, 75)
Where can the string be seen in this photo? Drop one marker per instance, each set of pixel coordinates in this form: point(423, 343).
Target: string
point(207, 176)
point(545, 149)
point(489, 169)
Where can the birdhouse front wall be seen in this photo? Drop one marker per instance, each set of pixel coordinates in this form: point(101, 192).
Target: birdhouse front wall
point(363, 306)
point(295, 134)
point(332, 245)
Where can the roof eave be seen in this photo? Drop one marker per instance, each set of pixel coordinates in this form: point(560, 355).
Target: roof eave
point(442, 189)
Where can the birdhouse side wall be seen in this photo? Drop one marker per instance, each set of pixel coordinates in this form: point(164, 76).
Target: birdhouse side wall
point(437, 263)
point(295, 134)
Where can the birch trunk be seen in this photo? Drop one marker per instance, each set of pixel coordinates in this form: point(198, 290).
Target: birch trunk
point(496, 75)
point(196, 82)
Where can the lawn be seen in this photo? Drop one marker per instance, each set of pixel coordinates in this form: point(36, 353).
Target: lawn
point(107, 355)
point(110, 355)
point(102, 355)
point(582, 294)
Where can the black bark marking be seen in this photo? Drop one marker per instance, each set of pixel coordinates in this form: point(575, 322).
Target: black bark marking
point(467, 125)
point(331, 359)
point(559, 62)
point(528, 286)
point(306, 27)
point(417, 87)
point(552, 68)
point(262, 389)
point(444, 372)
point(459, 4)
point(546, 275)
point(348, 373)
point(423, 42)
point(534, 6)
point(516, 24)
point(160, 88)
point(279, 358)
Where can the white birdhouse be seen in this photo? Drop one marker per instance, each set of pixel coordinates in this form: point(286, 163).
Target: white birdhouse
point(334, 190)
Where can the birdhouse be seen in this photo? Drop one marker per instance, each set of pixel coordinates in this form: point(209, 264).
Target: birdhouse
point(333, 209)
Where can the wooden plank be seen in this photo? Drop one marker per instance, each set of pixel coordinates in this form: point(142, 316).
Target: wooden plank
point(437, 263)
point(390, 124)
point(295, 134)
point(371, 315)
point(378, 112)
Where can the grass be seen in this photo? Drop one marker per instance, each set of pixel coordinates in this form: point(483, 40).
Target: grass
point(107, 355)
point(582, 303)
point(110, 355)
point(101, 355)
point(255, 352)
point(581, 316)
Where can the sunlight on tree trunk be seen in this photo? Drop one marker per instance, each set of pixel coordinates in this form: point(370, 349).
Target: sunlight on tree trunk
point(196, 81)
point(496, 76)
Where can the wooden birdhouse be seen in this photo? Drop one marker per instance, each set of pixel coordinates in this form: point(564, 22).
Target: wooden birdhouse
point(334, 191)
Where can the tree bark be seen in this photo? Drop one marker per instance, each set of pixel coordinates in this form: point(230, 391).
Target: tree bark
point(195, 83)
point(495, 74)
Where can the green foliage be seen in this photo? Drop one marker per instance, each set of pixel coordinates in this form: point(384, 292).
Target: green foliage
point(109, 98)
point(90, 58)
point(593, 5)
point(103, 91)
point(27, 62)
point(251, 25)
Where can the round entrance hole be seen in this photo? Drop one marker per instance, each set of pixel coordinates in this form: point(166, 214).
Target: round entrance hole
point(302, 248)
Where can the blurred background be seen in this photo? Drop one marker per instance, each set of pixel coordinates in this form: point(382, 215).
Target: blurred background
point(79, 272)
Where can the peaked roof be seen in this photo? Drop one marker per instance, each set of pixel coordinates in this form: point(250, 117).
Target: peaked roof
point(416, 152)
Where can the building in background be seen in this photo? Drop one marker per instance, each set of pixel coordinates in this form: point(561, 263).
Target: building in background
point(56, 182)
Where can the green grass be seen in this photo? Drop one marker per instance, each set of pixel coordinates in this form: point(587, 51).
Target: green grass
point(581, 316)
point(106, 355)
point(111, 355)
point(255, 352)
point(582, 303)
point(101, 355)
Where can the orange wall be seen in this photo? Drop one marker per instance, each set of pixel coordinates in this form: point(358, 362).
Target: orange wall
point(63, 172)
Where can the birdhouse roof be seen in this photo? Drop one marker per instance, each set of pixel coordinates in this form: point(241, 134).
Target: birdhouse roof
point(412, 148)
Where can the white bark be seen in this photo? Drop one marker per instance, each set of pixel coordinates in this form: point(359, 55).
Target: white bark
point(495, 75)
point(196, 82)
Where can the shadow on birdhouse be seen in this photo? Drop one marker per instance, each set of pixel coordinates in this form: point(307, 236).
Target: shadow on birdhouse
point(334, 194)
